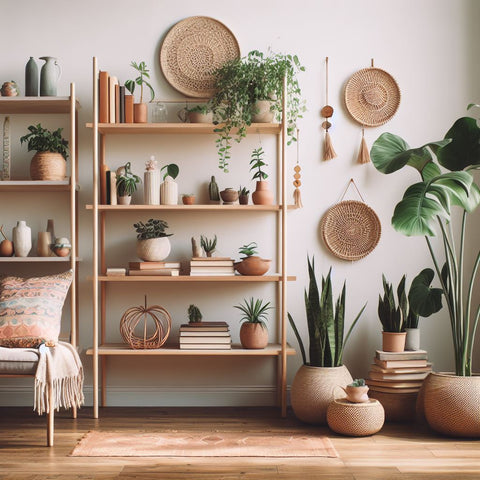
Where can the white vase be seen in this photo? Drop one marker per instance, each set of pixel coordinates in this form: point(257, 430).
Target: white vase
point(22, 239)
point(412, 340)
point(168, 192)
point(151, 182)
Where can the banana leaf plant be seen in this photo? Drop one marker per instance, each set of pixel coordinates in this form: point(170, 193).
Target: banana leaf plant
point(325, 323)
point(427, 209)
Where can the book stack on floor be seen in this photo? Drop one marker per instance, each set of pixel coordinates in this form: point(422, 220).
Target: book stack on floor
point(171, 269)
point(211, 266)
point(205, 336)
point(398, 372)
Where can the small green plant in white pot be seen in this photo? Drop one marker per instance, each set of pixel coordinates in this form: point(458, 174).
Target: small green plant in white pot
point(153, 244)
point(127, 183)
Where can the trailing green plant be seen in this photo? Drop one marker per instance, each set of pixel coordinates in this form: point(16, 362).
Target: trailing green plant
point(171, 170)
point(243, 191)
point(431, 203)
point(140, 80)
point(126, 181)
point(249, 249)
point(256, 163)
point(194, 314)
point(40, 139)
point(357, 382)
point(325, 323)
point(241, 82)
point(208, 244)
point(152, 229)
point(254, 311)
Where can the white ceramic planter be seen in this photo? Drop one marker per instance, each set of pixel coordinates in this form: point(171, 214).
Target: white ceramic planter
point(153, 249)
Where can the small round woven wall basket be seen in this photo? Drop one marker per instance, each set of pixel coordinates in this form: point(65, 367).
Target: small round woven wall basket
point(148, 336)
point(350, 229)
point(192, 49)
point(372, 96)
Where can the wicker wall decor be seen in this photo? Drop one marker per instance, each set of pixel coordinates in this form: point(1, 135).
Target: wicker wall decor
point(192, 49)
point(149, 339)
point(350, 229)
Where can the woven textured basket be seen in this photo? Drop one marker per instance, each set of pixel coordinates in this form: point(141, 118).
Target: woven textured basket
point(350, 229)
point(192, 49)
point(355, 419)
point(162, 323)
point(372, 96)
point(399, 407)
point(48, 166)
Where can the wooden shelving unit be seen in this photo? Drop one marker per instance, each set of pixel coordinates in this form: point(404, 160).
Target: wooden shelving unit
point(101, 349)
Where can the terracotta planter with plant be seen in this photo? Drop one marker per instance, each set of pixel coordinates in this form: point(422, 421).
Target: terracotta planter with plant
point(140, 110)
point(153, 244)
point(188, 198)
point(208, 244)
point(251, 264)
point(262, 194)
point(254, 332)
point(243, 195)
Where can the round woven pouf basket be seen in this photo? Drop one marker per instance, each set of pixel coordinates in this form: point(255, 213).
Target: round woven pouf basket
point(48, 166)
point(314, 388)
point(355, 419)
point(451, 404)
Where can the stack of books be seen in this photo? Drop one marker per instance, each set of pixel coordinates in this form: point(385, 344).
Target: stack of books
point(398, 372)
point(215, 266)
point(154, 268)
point(205, 336)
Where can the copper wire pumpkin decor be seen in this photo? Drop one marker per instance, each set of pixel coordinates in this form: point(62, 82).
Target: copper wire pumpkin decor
point(151, 336)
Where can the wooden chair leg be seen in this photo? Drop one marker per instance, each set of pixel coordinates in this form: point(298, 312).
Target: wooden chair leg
point(50, 418)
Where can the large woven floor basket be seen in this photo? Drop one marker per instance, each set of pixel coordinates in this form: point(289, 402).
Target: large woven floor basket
point(452, 404)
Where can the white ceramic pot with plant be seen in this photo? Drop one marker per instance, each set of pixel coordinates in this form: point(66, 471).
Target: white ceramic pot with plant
point(140, 110)
point(153, 244)
point(254, 332)
point(169, 188)
point(126, 184)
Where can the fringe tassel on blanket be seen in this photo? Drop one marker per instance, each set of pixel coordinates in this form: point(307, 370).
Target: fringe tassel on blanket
point(363, 154)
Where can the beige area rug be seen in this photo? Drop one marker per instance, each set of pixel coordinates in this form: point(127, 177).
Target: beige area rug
point(212, 444)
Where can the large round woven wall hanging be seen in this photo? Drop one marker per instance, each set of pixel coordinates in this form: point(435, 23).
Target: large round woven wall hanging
point(192, 49)
point(372, 96)
point(350, 229)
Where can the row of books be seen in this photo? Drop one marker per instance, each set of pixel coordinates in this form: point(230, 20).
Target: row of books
point(398, 372)
point(171, 269)
point(213, 266)
point(205, 336)
point(114, 104)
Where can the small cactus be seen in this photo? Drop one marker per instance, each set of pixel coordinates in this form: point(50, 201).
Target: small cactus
point(213, 190)
point(194, 314)
point(208, 244)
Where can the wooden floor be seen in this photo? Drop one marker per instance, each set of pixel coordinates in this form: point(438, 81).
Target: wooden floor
point(405, 451)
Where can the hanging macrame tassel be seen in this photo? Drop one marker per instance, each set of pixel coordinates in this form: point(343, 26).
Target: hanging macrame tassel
point(328, 150)
point(297, 196)
point(363, 154)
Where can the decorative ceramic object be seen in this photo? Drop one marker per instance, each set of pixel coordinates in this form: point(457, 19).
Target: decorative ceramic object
point(169, 191)
point(188, 199)
point(262, 112)
point(124, 199)
point(252, 265)
point(31, 78)
point(9, 89)
point(62, 247)
point(140, 113)
point(22, 239)
point(412, 339)
point(153, 249)
point(253, 335)
point(151, 182)
point(262, 194)
point(43, 244)
point(159, 112)
point(51, 230)
point(229, 196)
point(213, 192)
point(393, 341)
point(356, 394)
point(197, 251)
point(49, 76)
point(6, 245)
point(48, 166)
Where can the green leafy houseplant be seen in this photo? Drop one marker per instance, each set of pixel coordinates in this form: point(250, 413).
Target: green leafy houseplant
point(208, 244)
point(126, 181)
point(254, 311)
point(40, 139)
point(243, 190)
point(248, 250)
point(194, 314)
point(170, 170)
point(431, 202)
point(152, 229)
point(325, 323)
point(241, 82)
point(143, 71)
point(256, 163)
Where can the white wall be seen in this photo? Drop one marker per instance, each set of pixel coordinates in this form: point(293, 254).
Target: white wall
point(429, 46)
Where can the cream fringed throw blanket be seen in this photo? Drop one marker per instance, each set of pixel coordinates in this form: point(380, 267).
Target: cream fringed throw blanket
point(61, 368)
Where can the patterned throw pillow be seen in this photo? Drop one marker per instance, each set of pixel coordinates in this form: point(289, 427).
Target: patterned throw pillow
point(31, 309)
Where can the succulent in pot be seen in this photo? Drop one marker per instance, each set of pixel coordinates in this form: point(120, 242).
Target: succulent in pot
point(208, 244)
point(153, 244)
point(254, 332)
point(356, 391)
point(194, 314)
point(243, 194)
point(126, 184)
point(251, 264)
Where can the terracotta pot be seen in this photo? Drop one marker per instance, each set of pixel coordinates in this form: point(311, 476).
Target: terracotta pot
point(314, 388)
point(451, 404)
point(229, 196)
point(252, 265)
point(262, 194)
point(48, 166)
point(153, 249)
point(393, 341)
point(243, 199)
point(253, 336)
point(188, 199)
point(356, 394)
point(199, 117)
point(140, 112)
point(262, 112)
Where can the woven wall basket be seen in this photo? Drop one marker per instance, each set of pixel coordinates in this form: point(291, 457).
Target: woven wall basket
point(372, 96)
point(192, 49)
point(350, 229)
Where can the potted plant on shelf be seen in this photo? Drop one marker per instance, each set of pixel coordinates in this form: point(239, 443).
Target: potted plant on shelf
point(188, 198)
point(208, 245)
point(169, 188)
point(251, 263)
point(140, 110)
point(49, 163)
point(240, 83)
point(197, 114)
point(243, 194)
point(445, 185)
point(262, 194)
point(126, 184)
point(315, 383)
point(254, 332)
point(153, 244)
point(194, 314)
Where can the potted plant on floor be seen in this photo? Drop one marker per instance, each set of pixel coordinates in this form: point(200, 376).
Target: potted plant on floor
point(254, 332)
point(126, 184)
point(251, 263)
point(262, 194)
point(140, 110)
point(427, 209)
point(49, 163)
point(153, 244)
point(316, 382)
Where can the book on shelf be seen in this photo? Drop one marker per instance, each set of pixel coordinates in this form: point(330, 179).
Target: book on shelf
point(396, 376)
point(400, 363)
point(103, 183)
point(122, 103)
point(152, 265)
point(128, 108)
point(209, 263)
point(172, 272)
point(117, 103)
point(112, 81)
point(377, 368)
point(111, 187)
point(203, 340)
point(103, 98)
point(202, 330)
point(202, 333)
point(116, 272)
point(405, 355)
point(204, 324)
point(205, 346)
point(397, 391)
point(211, 259)
point(212, 274)
point(394, 385)
point(220, 269)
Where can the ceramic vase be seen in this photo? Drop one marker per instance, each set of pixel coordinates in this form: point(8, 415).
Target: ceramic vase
point(43, 244)
point(253, 336)
point(153, 249)
point(151, 182)
point(169, 191)
point(22, 239)
point(49, 76)
point(412, 340)
point(229, 196)
point(31, 78)
point(140, 113)
point(262, 194)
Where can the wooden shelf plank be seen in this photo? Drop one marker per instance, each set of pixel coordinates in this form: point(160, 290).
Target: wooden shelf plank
point(36, 259)
point(34, 185)
point(193, 208)
point(188, 278)
point(178, 128)
point(117, 349)
point(29, 105)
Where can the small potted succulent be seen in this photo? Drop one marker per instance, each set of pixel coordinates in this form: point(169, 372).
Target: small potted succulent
point(188, 198)
point(140, 110)
point(194, 314)
point(153, 244)
point(262, 194)
point(251, 263)
point(208, 245)
point(243, 194)
point(198, 114)
point(49, 163)
point(126, 184)
point(357, 391)
point(254, 332)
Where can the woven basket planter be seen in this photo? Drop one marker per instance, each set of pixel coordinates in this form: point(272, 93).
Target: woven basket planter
point(314, 388)
point(451, 404)
point(153, 249)
point(48, 166)
point(355, 419)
